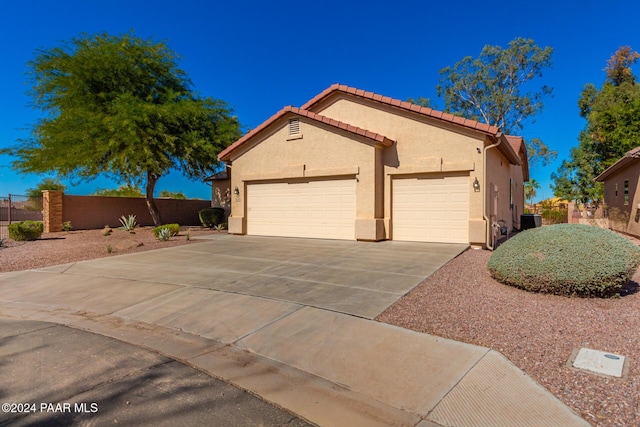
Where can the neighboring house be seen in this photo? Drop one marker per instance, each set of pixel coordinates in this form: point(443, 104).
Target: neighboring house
point(553, 203)
point(356, 165)
point(621, 189)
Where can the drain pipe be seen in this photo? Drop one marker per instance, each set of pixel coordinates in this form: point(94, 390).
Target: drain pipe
point(484, 199)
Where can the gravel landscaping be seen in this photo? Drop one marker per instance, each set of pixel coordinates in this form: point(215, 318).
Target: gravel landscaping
point(61, 248)
point(537, 332)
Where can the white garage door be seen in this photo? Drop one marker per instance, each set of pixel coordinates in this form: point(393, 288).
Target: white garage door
point(431, 209)
point(318, 209)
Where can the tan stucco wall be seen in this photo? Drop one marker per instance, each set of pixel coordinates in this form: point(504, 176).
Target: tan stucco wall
point(221, 195)
point(423, 146)
point(631, 172)
point(322, 151)
point(518, 195)
point(498, 194)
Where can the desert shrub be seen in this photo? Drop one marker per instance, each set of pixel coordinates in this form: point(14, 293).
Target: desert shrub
point(66, 226)
point(555, 216)
point(210, 217)
point(566, 259)
point(26, 230)
point(129, 223)
point(173, 229)
point(164, 234)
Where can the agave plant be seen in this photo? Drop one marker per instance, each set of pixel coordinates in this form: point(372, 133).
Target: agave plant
point(164, 234)
point(129, 223)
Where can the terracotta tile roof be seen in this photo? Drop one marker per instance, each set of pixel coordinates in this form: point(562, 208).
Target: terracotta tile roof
point(629, 157)
point(634, 152)
point(471, 124)
point(219, 176)
point(517, 143)
point(381, 139)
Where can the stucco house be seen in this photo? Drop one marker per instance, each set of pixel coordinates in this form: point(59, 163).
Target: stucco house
point(621, 189)
point(355, 165)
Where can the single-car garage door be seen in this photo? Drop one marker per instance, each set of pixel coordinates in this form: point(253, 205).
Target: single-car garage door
point(434, 209)
point(318, 209)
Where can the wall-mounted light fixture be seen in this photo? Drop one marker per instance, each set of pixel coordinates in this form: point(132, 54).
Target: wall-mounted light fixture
point(478, 150)
point(236, 191)
point(476, 185)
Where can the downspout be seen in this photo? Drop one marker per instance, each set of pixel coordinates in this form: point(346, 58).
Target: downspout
point(484, 199)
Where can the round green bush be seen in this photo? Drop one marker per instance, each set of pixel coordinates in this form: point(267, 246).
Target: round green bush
point(210, 217)
point(566, 259)
point(26, 230)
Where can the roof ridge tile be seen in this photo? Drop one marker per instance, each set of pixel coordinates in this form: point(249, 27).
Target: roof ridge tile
point(430, 112)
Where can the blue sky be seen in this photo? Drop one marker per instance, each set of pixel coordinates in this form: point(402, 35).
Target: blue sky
point(260, 56)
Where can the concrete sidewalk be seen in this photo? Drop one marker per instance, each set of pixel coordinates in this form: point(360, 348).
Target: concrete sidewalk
point(321, 361)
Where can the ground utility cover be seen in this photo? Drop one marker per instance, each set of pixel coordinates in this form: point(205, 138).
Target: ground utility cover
point(600, 362)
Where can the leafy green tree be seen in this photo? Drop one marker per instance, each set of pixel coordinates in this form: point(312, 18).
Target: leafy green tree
point(179, 195)
point(45, 184)
point(120, 106)
point(127, 190)
point(491, 89)
point(612, 129)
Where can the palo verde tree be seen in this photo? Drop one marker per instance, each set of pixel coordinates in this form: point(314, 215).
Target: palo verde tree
point(492, 89)
point(126, 190)
point(120, 106)
point(612, 129)
point(45, 184)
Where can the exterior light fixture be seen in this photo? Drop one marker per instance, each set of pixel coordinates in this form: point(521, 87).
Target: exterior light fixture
point(476, 185)
point(237, 192)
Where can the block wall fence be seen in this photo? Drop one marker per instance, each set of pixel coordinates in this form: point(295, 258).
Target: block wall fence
point(93, 212)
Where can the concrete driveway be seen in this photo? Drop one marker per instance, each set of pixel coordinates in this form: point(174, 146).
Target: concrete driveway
point(290, 320)
point(356, 278)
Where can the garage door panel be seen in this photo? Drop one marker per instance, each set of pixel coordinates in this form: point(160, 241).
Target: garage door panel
point(431, 209)
point(318, 209)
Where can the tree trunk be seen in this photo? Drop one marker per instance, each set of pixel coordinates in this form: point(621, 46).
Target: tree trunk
point(151, 204)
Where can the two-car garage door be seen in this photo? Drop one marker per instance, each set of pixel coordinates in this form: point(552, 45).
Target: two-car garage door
point(425, 209)
point(319, 209)
point(433, 209)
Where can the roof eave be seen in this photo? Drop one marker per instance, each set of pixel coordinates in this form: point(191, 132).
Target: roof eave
point(616, 167)
point(377, 139)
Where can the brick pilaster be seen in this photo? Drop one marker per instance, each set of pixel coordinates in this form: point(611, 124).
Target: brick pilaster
point(52, 210)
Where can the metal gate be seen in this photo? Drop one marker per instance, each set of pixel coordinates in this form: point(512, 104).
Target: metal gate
point(15, 208)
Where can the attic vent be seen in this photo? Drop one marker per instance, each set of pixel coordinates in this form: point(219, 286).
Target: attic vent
point(294, 126)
